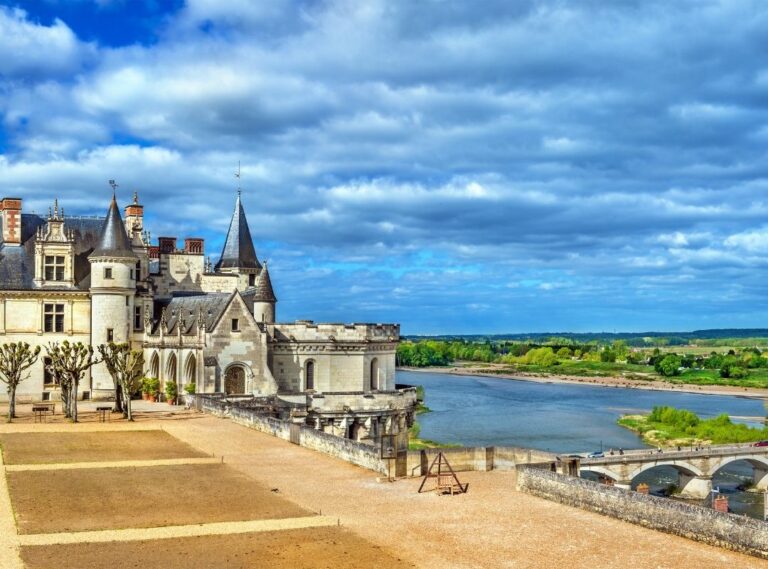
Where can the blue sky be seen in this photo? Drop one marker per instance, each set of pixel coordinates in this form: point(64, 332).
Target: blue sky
point(468, 167)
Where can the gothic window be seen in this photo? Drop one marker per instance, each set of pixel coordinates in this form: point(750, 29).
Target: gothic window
point(309, 372)
point(53, 316)
point(138, 321)
point(54, 267)
point(108, 272)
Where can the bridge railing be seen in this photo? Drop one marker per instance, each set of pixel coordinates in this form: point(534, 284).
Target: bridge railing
point(646, 455)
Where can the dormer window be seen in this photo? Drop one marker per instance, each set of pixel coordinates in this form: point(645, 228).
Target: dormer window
point(54, 267)
point(108, 273)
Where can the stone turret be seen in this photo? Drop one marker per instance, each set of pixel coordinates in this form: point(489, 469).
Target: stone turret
point(238, 255)
point(113, 289)
point(264, 299)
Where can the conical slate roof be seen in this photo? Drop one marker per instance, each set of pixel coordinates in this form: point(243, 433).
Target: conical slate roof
point(114, 240)
point(263, 286)
point(238, 252)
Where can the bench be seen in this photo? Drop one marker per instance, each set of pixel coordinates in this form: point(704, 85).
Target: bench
point(51, 406)
point(40, 411)
point(104, 413)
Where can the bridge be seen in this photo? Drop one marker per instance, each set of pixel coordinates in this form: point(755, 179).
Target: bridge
point(695, 468)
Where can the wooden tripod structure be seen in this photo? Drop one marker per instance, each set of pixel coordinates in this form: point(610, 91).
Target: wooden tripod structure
point(446, 478)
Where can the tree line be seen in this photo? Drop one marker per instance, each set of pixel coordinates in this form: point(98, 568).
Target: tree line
point(67, 363)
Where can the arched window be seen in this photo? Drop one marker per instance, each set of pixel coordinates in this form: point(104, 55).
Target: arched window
point(191, 371)
point(309, 375)
point(154, 365)
point(374, 379)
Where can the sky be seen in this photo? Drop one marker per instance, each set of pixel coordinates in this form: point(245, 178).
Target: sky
point(458, 167)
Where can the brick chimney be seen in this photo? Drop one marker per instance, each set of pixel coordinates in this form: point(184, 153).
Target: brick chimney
point(167, 244)
point(193, 246)
point(11, 211)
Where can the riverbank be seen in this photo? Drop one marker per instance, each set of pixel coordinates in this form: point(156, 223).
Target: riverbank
point(602, 381)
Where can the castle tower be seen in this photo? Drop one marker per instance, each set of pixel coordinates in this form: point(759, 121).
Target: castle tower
point(238, 255)
point(264, 300)
point(113, 289)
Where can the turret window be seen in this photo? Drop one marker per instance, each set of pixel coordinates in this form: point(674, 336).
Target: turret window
point(110, 335)
point(53, 317)
point(108, 273)
point(54, 267)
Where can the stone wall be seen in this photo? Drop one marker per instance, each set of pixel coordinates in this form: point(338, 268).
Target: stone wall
point(350, 451)
point(729, 531)
point(480, 459)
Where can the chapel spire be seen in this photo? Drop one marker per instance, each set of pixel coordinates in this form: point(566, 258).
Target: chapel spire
point(238, 251)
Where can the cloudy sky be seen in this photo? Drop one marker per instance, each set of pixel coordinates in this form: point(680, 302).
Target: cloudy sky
point(475, 166)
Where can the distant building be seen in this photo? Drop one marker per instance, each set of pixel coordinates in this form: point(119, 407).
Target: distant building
point(98, 279)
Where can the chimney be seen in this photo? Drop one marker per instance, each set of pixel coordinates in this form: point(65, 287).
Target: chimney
point(167, 244)
point(134, 216)
point(11, 210)
point(193, 246)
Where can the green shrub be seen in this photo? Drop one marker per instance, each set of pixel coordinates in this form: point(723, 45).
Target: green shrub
point(171, 390)
point(150, 385)
point(190, 388)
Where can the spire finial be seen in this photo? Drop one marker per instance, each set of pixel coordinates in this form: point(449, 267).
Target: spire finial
point(56, 208)
point(135, 198)
point(114, 189)
point(237, 175)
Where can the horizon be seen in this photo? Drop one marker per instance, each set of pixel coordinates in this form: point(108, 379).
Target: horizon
point(418, 163)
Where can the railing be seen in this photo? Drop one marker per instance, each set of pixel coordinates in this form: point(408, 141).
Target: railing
point(652, 455)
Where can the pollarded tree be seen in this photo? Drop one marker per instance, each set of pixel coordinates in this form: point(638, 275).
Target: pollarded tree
point(126, 367)
point(15, 359)
point(109, 356)
point(71, 361)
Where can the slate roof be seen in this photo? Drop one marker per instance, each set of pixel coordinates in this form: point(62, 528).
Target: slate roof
point(238, 251)
point(17, 263)
point(189, 306)
point(114, 241)
point(262, 291)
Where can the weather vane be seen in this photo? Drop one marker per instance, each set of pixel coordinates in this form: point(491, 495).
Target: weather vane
point(237, 175)
point(114, 187)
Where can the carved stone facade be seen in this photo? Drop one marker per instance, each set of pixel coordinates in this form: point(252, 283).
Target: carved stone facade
point(101, 279)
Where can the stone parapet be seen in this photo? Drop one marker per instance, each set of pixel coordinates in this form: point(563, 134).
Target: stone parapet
point(308, 331)
point(729, 531)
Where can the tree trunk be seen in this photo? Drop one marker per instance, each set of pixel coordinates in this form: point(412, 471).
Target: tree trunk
point(11, 402)
point(128, 413)
point(119, 399)
point(73, 400)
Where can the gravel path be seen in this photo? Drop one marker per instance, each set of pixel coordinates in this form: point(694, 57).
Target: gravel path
point(194, 530)
point(9, 540)
point(113, 464)
point(492, 525)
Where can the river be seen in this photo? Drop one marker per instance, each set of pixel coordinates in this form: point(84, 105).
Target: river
point(566, 418)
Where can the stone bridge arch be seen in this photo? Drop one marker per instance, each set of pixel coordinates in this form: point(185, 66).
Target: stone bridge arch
point(759, 464)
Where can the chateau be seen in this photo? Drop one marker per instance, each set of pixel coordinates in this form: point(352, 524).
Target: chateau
point(100, 279)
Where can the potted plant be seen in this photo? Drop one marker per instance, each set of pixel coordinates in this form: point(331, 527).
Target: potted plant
point(144, 388)
point(171, 391)
point(190, 388)
point(153, 388)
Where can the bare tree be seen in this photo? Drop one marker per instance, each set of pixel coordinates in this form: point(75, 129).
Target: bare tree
point(70, 362)
point(126, 367)
point(15, 359)
point(109, 353)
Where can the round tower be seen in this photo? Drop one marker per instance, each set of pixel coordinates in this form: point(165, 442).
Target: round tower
point(113, 288)
point(264, 299)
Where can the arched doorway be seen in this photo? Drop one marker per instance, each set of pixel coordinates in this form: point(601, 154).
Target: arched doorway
point(234, 380)
point(154, 365)
point(309, 375)
point(374, 379)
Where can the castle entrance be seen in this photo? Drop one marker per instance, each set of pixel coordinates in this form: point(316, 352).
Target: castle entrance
point(234, 381)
